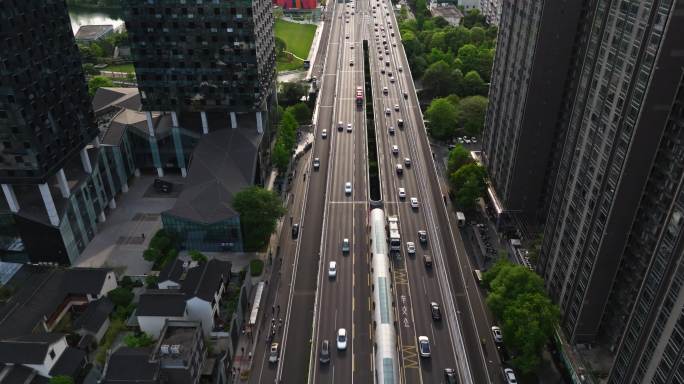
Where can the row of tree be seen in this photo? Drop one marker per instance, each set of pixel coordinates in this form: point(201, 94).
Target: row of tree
point(528, 317)
point(451, 116)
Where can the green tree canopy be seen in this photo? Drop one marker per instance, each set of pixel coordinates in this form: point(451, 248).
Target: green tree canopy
point(454, 99)
point(458, 157)
point(442, 116)
point(197, 256)
point(301, 112)
point(280, 156)
point(472, 18)
point(468, 183)
point(120, 296)
point(438, 79)
point(477, 35)
point(457, 37)
point(61, 379)
point(473, 110)
point(468, 58)
point(528, 316)
point(138, 341)
point(259, 211)
point(291, 93)
point(473, 84)
point(98, 82)
point(280, 45)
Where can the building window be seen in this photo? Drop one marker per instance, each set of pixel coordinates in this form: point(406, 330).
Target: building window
point(52, 354)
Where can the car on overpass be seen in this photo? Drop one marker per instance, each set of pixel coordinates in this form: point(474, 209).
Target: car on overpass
point(342, 339)
point(424, 346)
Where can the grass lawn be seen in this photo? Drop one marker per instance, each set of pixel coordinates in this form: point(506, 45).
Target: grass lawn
point(128, 68)
point(283, 65)
point(297, 37)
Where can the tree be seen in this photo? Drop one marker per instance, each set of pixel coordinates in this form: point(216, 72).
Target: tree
point(152, 255)
point(473, 84)
point(485, 61)
point(472, 18)
point(280, 45)
point(468, 56)
point(197, 256)
point(528, 316)
point(468, 183)
point(291, 93)
point(438, 79)
point(301, 112)
point(89, 69)
point(477, 35)
point(412, 46)
point(61, 379)
point(457, 37)
point(120, 296)
point(151, 281)
point(418, 65)
point(454, 100)
point(280, 156)
point(259, 211)
point(98, 82)
point(442, 116)
point(138, 341)
point(458, 157)
point(473, 110)
point(440, 22)
point(288, 130)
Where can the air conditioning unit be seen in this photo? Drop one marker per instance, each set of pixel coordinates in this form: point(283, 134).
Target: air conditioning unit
point(175, 349)
point(164, 349)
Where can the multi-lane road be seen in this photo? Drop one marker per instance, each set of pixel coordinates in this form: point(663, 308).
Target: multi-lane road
point(315, 306)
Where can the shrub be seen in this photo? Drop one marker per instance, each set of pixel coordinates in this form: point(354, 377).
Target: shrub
point(256, 267)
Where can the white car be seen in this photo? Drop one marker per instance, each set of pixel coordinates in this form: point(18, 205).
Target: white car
point(273, 355)
point(402, 193)
point(407, 162)
point(332, 269)
point(395, 150)
point(424, 346)
point(385, 90)
point(411, 247)
point(510, 376)
point(396, 107)
point(349, 127)
point(496, 332)
point(341, 339)
point(391, 79)
point(414, 202)
point(351, 63)
point(348, 188)
point(324, 133)
point(388, 111)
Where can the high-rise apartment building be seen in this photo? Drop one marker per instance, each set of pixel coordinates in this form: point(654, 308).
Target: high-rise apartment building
point(530, 87)
point(492, 10)
point(629, 77)
point(206, 75)
point(196, 58)
point(56, 180)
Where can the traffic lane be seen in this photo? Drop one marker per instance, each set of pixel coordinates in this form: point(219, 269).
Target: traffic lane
point(296, 358)
point(443, 353)
point(470, 334)
point(335, 304)
point(282, 263)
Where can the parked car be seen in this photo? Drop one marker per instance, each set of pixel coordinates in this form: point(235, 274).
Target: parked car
point(295, 231)
point(496, 333)
point(510, 376)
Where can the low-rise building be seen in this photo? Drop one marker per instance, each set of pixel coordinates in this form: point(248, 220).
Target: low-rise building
point(178, 357)
point(188, 290)
point(447, 11)
point(90, 33)
point(46, 354)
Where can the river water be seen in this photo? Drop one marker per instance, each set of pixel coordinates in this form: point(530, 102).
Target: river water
point(94, 16)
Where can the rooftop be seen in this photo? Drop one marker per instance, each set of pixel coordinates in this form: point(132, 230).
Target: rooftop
point(223, 163)
point(28, 349)
point(95, 315)
point(162, 302)
point(42, 292)
point(177, 344)
point(197, 279)
point(93, 32)
point(130, 365)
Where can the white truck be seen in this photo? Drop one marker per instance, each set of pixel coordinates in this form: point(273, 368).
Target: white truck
point(461, 218)
point(393, 234)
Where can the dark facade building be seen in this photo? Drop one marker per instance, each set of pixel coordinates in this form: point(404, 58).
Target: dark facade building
point(202, 62)
point(45, 114)
point(57, 180)
point(629, 78)
point(530, 88)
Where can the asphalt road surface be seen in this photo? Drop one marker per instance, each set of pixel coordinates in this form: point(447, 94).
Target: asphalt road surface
point(313, 305)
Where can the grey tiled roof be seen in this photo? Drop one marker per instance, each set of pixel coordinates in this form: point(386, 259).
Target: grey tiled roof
point(163, 302)
point(201, 281)
point(28, 349)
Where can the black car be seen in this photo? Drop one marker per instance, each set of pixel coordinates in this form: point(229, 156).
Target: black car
point(325, 352)
point(422, 236)
point(436, 313)
point(295, 231)
point(450, 375)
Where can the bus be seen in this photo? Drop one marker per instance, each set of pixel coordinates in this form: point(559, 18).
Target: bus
point(359, 96)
